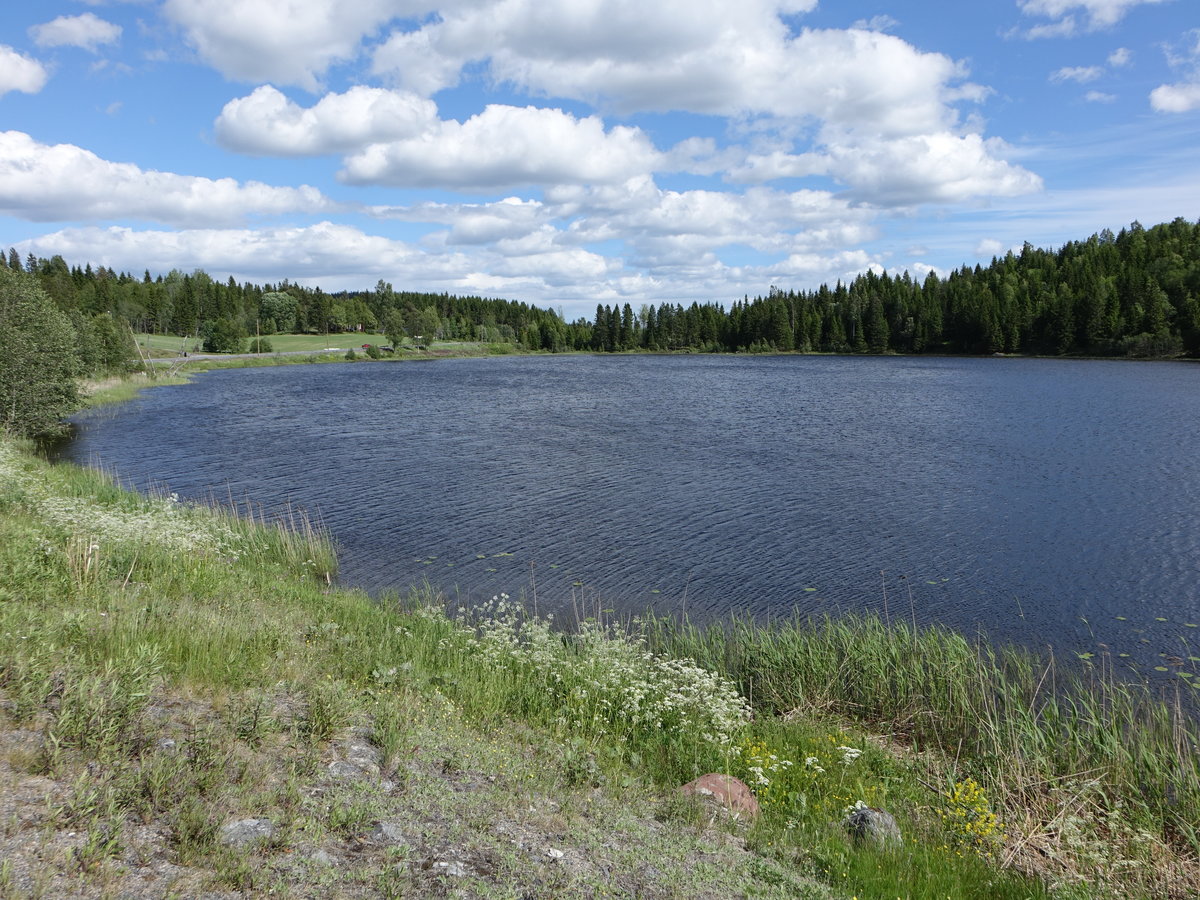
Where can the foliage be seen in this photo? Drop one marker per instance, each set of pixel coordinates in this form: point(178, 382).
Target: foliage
point(393, 327)
point(38, 361)
point(277, 312)
point(261, 345)
point(224, 336)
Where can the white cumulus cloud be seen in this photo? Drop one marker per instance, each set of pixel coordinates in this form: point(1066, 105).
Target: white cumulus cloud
point(20, 73)
point(505, 146)
point(268, 123)
point(87, 31)
point(929, 168)
point(321, 250)
point(939, 167)
point(63, 182)
point(290, 42)
point(1176, 98)
point(710, 57)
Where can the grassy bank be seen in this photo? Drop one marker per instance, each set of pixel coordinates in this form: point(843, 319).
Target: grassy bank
point(281, 343)
point(319, 347)
point(168, 670)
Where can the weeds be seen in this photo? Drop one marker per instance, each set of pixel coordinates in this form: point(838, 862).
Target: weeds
point(325, 711)
point(98, 714)
point(101, 843)
point(388, 732)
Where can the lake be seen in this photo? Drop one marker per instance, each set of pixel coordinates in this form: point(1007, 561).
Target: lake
point(1047, 502)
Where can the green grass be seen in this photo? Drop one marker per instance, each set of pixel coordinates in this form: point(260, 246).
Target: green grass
point(182, 667)
point(171, 345)
point(121, 389)
point(281, 343)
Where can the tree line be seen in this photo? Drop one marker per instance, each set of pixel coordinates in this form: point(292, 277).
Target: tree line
point(223, 315)
point(1134, 293)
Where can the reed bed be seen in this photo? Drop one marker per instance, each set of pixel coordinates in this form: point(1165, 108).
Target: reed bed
point(1066, 748)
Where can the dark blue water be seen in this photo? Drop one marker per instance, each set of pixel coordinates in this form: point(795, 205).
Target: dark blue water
point(1034, 500)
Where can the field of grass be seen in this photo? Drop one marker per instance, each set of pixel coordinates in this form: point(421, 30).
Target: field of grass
point(171, 345)
point(280, 343)
point(167, 671)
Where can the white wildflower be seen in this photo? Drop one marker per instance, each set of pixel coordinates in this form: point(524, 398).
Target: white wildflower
point(849, 754)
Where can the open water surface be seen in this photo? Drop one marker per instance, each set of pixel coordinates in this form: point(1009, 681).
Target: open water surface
point(1040, 501)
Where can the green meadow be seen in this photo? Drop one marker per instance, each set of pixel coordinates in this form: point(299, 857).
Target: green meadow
point(163, 344)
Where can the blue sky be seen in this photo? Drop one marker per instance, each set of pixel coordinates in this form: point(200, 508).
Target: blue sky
point(569, 152)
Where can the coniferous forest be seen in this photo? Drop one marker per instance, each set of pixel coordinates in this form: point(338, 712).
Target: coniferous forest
point(1135, 293)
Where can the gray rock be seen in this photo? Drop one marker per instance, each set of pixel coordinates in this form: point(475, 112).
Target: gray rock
point(345, 770)
point(388, 833)
point(246, 831)
point(450, 867)
point(873, 825)
point(321, 858)
point(364, 756)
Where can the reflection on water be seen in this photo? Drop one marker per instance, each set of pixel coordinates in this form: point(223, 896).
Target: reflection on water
point(1042, 501)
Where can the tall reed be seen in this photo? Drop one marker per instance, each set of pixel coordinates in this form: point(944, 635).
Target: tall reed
point(1024, 723)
